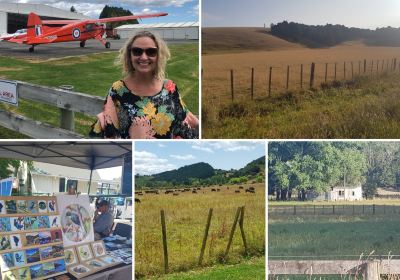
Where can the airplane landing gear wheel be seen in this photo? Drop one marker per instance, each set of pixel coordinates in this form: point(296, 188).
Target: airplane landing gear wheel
point(82, 44)
point(108, 45)
point(31, 49)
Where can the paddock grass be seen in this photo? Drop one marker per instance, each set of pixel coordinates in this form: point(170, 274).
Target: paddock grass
point(253, 269)
point(92, 74)
point(186, 217)
point(364, 108)
point(332, 237)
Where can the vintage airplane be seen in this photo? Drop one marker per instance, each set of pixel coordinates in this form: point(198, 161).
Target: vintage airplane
point(39, 32)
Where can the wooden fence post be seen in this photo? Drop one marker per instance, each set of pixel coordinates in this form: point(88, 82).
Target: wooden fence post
point(344, 70)
point(365, 66)
point(352, 71)
point(372, 270)
point(164, 236)
point(232, 232)
point(232, 85)
point(203, 246)
point(294, 209)
point(301, 76)
point(242, 230)
point(372, 66)
point(67, 117)
point(335, 71)
point(312, 75)
point(326, 72)
point(353, 209)
point(359, 68)
point(287, 77)
point(269, 82)
point(377, 67)
point(333, 209)
point(373, 209)
point(383, 64)
point(394, 64)
point(252, 83)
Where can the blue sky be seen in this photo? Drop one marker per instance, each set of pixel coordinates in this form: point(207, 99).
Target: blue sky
point(178, 10)
point(352, 13)
point(156, 157)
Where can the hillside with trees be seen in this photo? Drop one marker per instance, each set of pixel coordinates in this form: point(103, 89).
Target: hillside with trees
point(109, 11)
point(203, 174)
point(317, 166)
point(317, 36)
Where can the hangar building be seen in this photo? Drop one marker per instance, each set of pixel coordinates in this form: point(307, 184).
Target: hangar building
point(167, 31)
point(14, 16)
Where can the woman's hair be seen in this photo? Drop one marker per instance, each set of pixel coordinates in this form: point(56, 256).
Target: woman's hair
point(162, 56)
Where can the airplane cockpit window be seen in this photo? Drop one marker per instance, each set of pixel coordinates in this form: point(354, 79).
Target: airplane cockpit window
point(89, 27)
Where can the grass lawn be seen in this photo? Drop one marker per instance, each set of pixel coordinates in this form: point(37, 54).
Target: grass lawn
point(366, 108)
point(332, 237)
point(91, 74)
point(253, 269)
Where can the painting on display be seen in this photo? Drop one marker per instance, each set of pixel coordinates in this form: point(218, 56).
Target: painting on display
point(76, 219)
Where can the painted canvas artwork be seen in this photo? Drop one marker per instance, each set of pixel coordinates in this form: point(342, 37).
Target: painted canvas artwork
point(5, 224)
point(76, 221)
point(2, 207)
point(31, 223)
point(36, 271)
point(32, 255)
point(44, 237)
point(56, 235)
point(98, 248)
point(70, 256)
point(43, 222)
point(10, 275)
point(19, 258)
point(7, 261)
point(22, 207)
point(16, 241)
point(24, 273)
point(84, 252)
point(42, 206)
point(59, 266)
point(48, 268)
point(58, 251)
point(5, 243)
point(51, 206)
point(32, 239)
point(95, 264)
point(33, 206)
point(17, 223)
point(80, 270)
point(55, 221)
point(46, 253)
point(11, 206)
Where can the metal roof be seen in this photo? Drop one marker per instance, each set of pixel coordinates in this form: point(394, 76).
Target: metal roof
point(79, 154)
point(159, 25)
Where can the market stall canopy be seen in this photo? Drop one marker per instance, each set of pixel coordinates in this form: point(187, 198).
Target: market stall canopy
point(78, 154)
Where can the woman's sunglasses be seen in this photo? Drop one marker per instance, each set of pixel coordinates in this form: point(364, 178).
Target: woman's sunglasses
point(150, 52)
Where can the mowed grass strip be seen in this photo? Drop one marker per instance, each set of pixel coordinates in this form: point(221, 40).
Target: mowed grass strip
point(334, 237)
point(186, 217)
point(365, 108)
point(91, 74)
point(253, 269)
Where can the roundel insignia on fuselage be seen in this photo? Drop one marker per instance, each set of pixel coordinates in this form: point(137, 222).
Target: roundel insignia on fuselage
point(76, 33)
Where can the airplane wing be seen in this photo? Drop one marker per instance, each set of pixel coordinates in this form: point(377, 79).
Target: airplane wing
point(61, 22)
point(102, 20)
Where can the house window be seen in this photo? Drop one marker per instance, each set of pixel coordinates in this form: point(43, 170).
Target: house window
point(61, 187)
point(341, 193)
point(353, 193)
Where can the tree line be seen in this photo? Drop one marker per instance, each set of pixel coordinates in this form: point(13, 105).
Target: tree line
point(317, 36)
point(304, 167)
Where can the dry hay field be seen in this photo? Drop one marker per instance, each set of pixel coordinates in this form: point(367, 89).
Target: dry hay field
point(236, 49)
point(186, 216)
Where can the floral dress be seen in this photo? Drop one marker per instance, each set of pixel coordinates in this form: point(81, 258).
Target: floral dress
point(127, 115)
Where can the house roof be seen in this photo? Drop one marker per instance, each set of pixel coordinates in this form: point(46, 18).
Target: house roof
point(77, 154)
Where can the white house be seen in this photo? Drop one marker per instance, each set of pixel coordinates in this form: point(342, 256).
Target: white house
point(50, 178)
point(338, 193)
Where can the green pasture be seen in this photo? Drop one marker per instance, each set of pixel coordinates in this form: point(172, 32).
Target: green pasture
point(92, 74)
point(253, 269)
point(364, 108)
point(332, 237)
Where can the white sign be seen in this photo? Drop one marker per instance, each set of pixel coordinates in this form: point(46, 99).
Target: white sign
point(8, 92)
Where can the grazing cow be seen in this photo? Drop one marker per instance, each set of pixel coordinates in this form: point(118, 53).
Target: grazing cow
point(250, 191)
point(175, 194)
point(137, 200)
point(218, 190)
point(213, 190)
point(237, 191)
point(194, 191)
point(252, 188)
point(140, 193)
point(241, 187)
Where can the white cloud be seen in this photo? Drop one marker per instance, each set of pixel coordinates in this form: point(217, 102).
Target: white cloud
point(183, 157)
point(228, 146)
point(147, 163)
point(201, 147)
point(161, 145)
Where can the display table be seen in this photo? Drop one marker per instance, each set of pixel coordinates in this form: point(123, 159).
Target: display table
point(121, 272)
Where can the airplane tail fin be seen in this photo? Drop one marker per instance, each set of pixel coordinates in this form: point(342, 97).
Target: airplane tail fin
point(35, 27)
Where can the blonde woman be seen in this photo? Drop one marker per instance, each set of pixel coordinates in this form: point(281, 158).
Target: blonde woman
point(145, 105)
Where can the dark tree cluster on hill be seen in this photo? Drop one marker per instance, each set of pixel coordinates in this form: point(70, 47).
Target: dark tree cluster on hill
point(318, 166)
point(316, 36)
point(109, 11)
point(203, 174)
